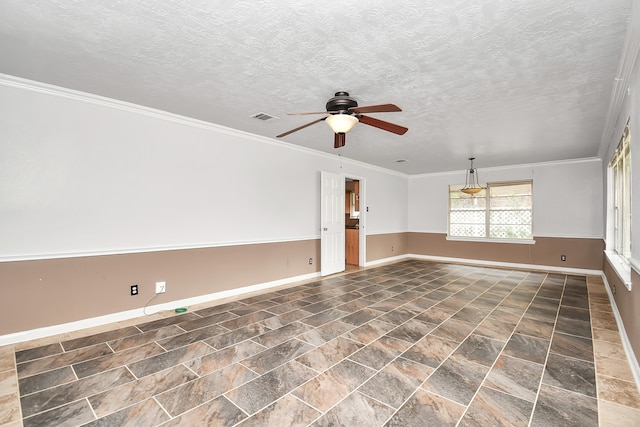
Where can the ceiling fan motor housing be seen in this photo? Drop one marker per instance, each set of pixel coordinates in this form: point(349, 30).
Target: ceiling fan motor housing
point(341, 102)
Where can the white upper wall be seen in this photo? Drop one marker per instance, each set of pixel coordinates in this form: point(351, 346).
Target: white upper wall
point(567, 197)
point(84, 175)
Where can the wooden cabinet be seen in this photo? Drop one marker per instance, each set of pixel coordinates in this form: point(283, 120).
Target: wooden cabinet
point(356, 191)
point(352, 246)
point(347, 202)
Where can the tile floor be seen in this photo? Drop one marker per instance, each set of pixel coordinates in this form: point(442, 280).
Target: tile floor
point(414, 343)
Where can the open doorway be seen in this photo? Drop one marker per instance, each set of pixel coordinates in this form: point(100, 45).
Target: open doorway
point(354, 221)
point(341, 210)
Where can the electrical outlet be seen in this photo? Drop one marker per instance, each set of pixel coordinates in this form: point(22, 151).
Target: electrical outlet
point(161, 287)
point(563, 257)
point(392, 249)
point(310, 261)
point(614, 289)
point(134, 290)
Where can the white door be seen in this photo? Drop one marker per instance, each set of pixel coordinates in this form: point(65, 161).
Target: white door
point(331, 224)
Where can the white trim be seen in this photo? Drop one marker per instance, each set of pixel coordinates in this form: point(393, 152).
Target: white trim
point(387, 260)
point(489, 240)
point(122, 251)
point(567, 236)
point(76, 95)
point(139, 312)
point(533, 267)
point(508, 167)
point(127, 251)
point(382, 232)
point(621, 268)
point(633, 361)
point(535, 235)
point(635, 265)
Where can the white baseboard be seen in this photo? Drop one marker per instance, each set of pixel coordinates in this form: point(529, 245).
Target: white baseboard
point(140, 312)
point(387, 260)
point(532, 267)
point(633, 361)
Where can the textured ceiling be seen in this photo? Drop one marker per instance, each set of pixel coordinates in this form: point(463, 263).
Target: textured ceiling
point(506, 81)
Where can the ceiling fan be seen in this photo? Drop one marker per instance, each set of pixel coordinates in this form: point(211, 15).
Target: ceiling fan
point(343, 114)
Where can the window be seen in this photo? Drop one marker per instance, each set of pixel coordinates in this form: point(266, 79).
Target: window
point(502, 211)
point(620, 166)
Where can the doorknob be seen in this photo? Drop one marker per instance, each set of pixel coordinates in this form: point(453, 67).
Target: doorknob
point(325, 229)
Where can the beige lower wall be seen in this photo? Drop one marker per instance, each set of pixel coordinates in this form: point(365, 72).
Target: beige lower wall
point(628, 304)
point(381, 246)
point(41, 293)
point(581, 253)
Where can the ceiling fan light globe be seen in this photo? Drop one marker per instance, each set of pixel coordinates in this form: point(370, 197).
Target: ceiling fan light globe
point(341, 123)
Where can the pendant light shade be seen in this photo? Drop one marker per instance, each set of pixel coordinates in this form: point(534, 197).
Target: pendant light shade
point(471, 185)
point(341, 123)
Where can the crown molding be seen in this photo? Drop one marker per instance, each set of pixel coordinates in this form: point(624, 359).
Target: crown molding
point(623, 79)
point(520, 166)
point(52, 90)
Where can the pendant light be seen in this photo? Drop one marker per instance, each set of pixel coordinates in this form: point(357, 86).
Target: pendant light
point(471, 185)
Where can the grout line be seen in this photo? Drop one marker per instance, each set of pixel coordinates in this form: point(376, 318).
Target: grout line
point(305, 403)
point(595, 361)
point(515, 327)
point(17, 382)
point(361, 364)
point(362, 281)
point(544, 365)
point(95, 416)
point(163, 408)
point(420, 387)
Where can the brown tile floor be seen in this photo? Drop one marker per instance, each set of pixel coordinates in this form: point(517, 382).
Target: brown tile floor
point(413, 343)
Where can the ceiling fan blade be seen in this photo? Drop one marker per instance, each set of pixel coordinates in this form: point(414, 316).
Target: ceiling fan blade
point(382, 108)
point(300, 127)
point(339, 140)
point(381, 124)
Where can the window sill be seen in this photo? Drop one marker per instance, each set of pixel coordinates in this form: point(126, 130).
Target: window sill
point(484, 240)
point(621, 266)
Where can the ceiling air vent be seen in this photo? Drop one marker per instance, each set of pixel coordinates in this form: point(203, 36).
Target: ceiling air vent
point(264, 116)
